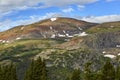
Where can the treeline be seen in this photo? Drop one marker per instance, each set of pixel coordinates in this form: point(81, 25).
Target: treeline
point(37, 71)
point(107, 72)
point(8, 72)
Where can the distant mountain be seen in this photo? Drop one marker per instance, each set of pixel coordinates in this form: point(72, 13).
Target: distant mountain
point(49, 28)
point(105, 27)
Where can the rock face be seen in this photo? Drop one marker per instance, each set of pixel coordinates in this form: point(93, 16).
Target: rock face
point(49, 28)
point(104, 40)
point(106, 35)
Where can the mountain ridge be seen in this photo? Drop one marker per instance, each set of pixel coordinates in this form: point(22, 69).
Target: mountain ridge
point(48, 28)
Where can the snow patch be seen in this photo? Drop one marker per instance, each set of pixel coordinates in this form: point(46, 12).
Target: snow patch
point(7, 41)
point(3, 41)
point(118, 54)
point(51, 27)
point(69, 35)
point(22, 28)
point(80, 28)
point(104, 52)
point(60, 35)
point(18, 38)
point(64, 31)
point(109, 56)
point(111, 26)
point(118, 46)
point(83, 34)
point(53, 36)
point(53, 19)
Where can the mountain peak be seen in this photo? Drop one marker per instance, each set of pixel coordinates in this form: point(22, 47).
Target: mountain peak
point(59, 27)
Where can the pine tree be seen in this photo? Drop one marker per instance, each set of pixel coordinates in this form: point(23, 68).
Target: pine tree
point(76, 75)
point(5, 72)
point(98, 75)
point(108, 72)
point(36, 71)
point(1, 73)
point(9, 72)
point(13, 72)
point(44, 71)
point(117, 73)
point(67, 78)
point(88, 75)
point(29, 75)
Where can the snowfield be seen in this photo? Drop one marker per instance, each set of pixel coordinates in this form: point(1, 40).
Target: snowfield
point(109, 56)
point(53, 19)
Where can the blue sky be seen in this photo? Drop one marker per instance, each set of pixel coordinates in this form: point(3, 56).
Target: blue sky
point(22, 12)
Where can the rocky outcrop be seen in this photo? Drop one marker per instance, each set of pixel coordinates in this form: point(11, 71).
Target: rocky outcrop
point(104, 40)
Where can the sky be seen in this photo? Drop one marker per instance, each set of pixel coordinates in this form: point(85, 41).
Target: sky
point(23, 12)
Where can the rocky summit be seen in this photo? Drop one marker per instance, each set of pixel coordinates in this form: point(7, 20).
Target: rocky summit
point(50, 28)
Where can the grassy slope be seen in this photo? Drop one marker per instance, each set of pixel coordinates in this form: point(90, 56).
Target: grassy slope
point(105, 27)
point(24, 48)
point(31, 43)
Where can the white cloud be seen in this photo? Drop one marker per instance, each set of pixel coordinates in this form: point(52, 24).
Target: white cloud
point(66, 2)
point(110, 0)
point(68, 10)
point(81, 6)
point(8, 5)
point(13, 5)
point(101, 19)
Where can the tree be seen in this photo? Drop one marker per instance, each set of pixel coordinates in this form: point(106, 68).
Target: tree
point(88, 75)
point(9, 72)
point(30, 72)
point(76, 74)
point(117, 73)
point(13, 73)
point(67, 78)
point(1, 73)
point(36, 71)
point(108, 71)
point(44, 71)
